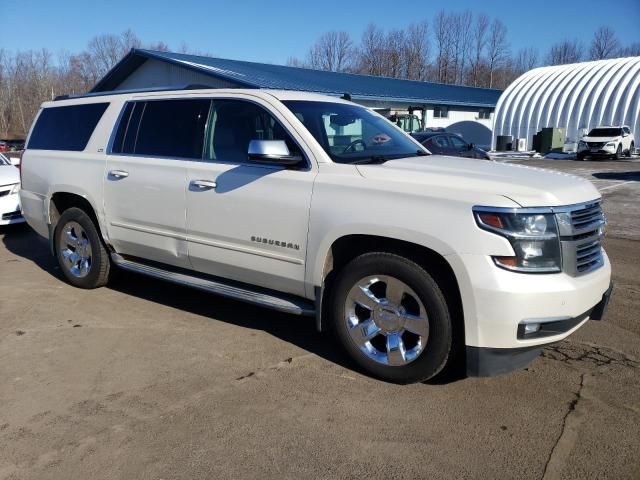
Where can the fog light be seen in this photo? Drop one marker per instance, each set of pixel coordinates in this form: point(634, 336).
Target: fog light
point(531, 328)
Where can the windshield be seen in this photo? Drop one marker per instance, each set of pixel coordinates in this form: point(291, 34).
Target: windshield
point(352, 134)
point(605, 132)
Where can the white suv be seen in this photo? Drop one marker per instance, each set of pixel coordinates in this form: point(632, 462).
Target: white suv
point(317, 206)
point(607, 142)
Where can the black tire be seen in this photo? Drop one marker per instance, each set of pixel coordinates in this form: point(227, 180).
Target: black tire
point(581, 157)
point(99, 265)
point(438, 348)
point(618, 155)
point(631, 149)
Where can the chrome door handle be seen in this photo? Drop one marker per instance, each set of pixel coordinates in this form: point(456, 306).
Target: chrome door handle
point(118, 174)
point(203, 184)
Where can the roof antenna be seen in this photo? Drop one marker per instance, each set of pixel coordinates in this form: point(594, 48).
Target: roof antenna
point(346, 96)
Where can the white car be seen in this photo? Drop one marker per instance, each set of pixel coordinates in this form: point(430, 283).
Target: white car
point(9, 188)
point(607, 141)
point(313, 205)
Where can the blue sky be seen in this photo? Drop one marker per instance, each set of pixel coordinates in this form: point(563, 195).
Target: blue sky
point(272, 31)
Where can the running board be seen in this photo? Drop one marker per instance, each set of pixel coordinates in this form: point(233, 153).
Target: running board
point(268, 299)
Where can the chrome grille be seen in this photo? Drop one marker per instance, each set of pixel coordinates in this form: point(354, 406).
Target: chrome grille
point(581, 230)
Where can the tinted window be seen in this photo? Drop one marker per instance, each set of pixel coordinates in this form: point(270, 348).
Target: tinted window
point(164, 128)
point(440, 112)
point(66, 128)
point(440, 141)
point(234, 123)
point(605, 132)
point(457, 142)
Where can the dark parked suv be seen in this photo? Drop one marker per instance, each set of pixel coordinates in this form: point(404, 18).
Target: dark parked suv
point(443, 143)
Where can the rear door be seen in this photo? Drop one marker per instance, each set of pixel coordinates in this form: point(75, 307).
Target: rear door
point(146, 177)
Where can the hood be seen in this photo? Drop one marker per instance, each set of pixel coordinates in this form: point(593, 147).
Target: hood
point(602, 139)
point(9, 175)
point(527, 186)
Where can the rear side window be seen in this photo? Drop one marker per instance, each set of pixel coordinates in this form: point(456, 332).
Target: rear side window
point(66, 128)
point(164, 128)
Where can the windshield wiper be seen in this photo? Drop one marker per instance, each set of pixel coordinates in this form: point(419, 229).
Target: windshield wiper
point(373, 159)
point(421, 153)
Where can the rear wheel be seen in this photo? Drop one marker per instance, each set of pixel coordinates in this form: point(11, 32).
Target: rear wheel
point(81, 255)
point(392, 318)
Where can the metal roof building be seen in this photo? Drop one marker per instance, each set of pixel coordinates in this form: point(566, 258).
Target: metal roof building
point(167, 69)
point(577, 97)
point(464, 110)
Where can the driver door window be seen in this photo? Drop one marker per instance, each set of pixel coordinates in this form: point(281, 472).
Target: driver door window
point(232, 126)
point(457, 143)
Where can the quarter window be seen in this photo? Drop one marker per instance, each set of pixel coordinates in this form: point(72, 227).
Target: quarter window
point(66, 128)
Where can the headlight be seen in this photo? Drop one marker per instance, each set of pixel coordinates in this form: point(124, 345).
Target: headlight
point(582, 145)
point(610, 144)
point(15, 189)
point(533, 236)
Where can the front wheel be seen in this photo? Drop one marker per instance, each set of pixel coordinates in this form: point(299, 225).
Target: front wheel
point(81, 255)
point(581, 156)
point(619, 152)
point(392, 318)
point(631, 149)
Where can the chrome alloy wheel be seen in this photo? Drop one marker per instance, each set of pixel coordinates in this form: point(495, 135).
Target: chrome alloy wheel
point(76, 249)
point(386, 320)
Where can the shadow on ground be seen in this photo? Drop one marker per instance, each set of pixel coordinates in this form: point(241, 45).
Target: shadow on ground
point(299, 331)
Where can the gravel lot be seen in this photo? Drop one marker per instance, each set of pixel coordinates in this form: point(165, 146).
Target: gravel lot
point(147, 380)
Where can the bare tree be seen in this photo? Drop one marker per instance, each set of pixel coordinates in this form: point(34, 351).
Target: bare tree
point(461, 39)
point(479, 43)
point(497, 48)
point(332, 51)
point(416, 51)
point(371, 51)
point(442, 35)
point(632, 50)
point(566, 51)
point(526, 59)
point(604, 44)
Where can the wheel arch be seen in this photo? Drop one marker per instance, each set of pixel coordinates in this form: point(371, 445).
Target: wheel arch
point(60, 201)
point(347, 247)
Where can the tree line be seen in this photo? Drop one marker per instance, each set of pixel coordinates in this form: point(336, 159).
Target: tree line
point(454, 48)
point(458, 48)
point(30, 77)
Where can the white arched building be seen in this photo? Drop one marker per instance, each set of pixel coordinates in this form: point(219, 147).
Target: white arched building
point(576, 97)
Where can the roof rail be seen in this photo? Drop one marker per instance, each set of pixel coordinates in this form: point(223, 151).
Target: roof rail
point(190, 86)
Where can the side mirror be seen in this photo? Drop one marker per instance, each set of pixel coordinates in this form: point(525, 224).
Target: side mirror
point(273, 152)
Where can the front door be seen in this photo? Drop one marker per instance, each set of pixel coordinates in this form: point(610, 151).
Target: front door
point(146, 177)
point(245, 221)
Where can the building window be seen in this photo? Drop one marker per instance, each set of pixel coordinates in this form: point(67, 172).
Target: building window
point(484, 114)
point(440, 112)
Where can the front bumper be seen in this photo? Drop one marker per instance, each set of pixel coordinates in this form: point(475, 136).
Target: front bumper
point(10, 210)
point(486, 361)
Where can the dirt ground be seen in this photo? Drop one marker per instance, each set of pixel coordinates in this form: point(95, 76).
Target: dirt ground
point(147, 380)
